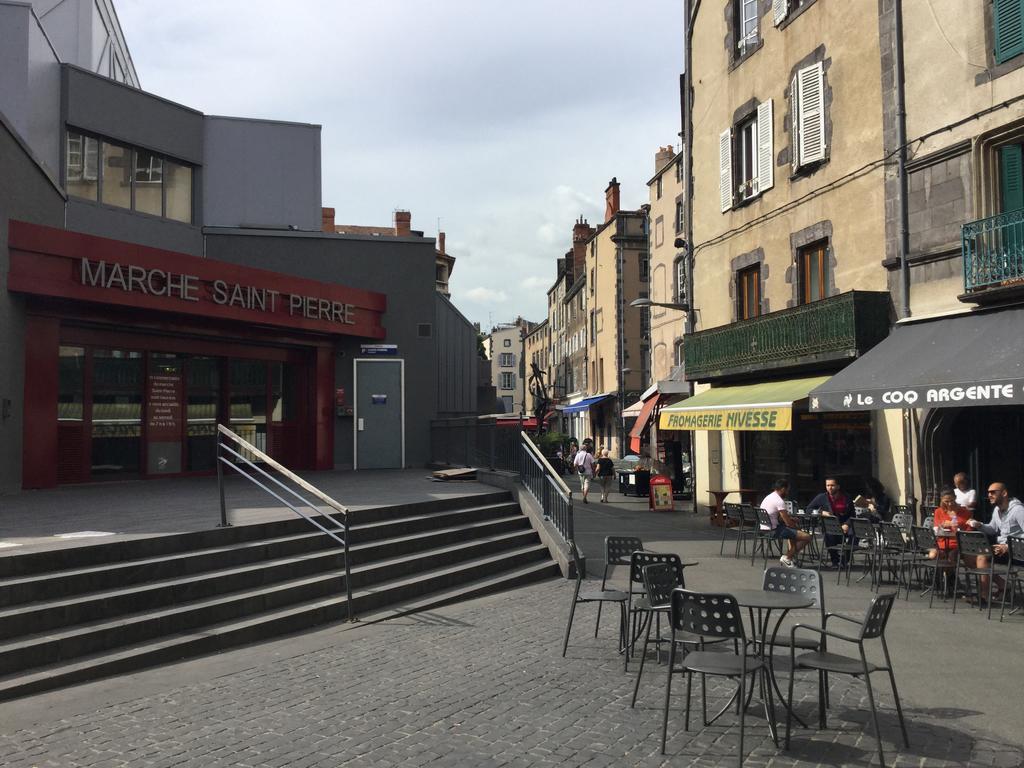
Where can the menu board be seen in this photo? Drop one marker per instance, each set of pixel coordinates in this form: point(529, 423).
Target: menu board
point(163, 408)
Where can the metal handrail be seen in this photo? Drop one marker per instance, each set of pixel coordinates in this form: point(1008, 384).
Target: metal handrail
point(547, 487)
point(245, 445)
point(532, 448)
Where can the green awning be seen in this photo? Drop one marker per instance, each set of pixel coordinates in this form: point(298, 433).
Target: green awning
point(767, 406)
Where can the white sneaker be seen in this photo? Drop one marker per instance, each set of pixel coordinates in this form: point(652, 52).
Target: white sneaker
point(786, 561)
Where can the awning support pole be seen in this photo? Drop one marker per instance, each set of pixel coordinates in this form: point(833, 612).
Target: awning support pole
point(908, 462)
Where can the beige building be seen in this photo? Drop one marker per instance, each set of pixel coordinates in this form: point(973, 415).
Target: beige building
point(505, 349)
point(617, 272)
point(788, 234)
point(957, 276)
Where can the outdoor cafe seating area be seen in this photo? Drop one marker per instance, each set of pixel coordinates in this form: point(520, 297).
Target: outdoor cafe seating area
point(677, 640)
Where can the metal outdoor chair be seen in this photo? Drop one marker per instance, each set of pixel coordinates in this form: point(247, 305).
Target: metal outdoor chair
point(639, 608)
point(864, 532)
point(808, 583)
point(617, 551)
point(970, 544)
point(1014, 573)
point(903, 521)
point(832, 530)
point(764, 537)
point(660, 579)
point(749, 528)
point(734, 525)
point(599, 596)
point(892, 552)
point(715, 616)
point(924, 541)
point(825, 662)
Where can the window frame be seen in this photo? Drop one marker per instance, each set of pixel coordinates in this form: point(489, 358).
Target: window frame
point(812, 256)
point(747, 279)
point(746, 40)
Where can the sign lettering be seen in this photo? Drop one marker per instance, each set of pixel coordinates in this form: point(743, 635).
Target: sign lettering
point(159, 282)
point(756, 419)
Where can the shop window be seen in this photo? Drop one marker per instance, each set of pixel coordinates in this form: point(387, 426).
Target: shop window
point(70, 384)
point(748, 283)
point(248, 381)
point(82, 162)
point(812, 262)
point(116, 412)
point(117, 178)
point(202, 388)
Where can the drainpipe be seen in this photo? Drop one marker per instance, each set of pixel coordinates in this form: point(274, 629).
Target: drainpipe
point(692, 7)
point(904, 242)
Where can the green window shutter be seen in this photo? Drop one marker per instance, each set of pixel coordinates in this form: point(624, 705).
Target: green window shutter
point(1008, 16)
point(1011, 181)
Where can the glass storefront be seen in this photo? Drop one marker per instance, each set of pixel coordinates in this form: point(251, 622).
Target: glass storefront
point(820, 445)
point(131, 413)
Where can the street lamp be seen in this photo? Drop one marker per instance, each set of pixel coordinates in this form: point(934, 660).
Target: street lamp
point(665, 304)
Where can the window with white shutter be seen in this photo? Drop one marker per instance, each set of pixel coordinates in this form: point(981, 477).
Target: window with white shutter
point(765, 148)
point(725, 169)
point(810, 114)
point(780, 8)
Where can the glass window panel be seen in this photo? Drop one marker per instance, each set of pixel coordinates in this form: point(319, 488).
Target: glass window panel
point(249, 401)
point(178, 189)
point(203, 399)
point(116, 412)
point(149, 173)
point(117, 180)
point(71, 367)
point(81, 164)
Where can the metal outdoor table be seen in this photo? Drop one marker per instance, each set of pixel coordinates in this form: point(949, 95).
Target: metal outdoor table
point(760, 604)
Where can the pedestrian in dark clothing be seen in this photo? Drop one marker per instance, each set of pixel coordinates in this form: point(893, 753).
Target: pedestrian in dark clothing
point(833, 501)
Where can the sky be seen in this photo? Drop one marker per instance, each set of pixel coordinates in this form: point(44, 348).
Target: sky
point(497, 123)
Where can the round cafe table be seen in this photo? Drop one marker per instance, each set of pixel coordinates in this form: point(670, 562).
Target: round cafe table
point(760, 605)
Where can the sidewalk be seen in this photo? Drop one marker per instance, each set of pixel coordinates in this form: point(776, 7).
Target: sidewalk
point(483, 683)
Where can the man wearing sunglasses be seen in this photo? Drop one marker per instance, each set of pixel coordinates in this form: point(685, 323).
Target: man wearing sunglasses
point(1007, 520)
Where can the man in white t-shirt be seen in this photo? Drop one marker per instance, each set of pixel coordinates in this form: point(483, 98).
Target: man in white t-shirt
point(966, 496)
point(584, 466)
point(784, 528)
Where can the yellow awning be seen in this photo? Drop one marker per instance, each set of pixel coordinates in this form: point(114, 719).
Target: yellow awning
point(751, 407)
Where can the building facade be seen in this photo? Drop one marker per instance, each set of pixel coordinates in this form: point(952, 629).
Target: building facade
point(506, 347)
point(788, 222)
point(162, 297)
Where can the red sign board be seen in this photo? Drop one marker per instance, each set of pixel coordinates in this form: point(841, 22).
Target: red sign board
point(70, 265)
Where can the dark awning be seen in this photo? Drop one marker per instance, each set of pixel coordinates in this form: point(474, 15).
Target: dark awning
point(951, 362)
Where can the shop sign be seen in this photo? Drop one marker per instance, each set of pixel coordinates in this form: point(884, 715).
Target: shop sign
point(996, 393)
point(378, 349)
point(158, 282)
point(749, 419)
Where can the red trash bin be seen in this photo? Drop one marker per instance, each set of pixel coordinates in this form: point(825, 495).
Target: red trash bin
point(660, 497)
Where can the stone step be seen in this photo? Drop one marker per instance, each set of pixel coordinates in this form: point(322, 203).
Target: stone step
point(401, 596)
point(26, 651)
point(392, 556)
point(65, 583)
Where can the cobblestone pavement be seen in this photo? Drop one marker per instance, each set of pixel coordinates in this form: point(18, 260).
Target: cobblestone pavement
point(476, 684)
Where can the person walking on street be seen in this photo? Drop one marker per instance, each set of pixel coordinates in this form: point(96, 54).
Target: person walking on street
point(605, 473)
point(584, 466)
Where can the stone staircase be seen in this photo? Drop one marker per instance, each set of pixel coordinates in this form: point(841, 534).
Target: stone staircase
point(80, 613)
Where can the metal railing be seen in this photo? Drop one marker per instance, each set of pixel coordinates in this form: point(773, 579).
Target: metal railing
point(241, 461)
point(837, 327)
point(993, 251)
point(475, 442)
point(547, 487)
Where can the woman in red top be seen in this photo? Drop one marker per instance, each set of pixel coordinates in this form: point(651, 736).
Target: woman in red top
point(947, 519)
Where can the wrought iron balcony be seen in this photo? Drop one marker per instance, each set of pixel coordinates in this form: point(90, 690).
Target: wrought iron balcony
point(993, 252)
point(836, 328)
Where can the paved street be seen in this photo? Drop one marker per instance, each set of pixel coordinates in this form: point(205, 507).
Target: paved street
point(482, 684)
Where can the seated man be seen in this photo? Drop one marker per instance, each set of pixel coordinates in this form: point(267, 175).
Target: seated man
point(1007, 520)
point(783, 526)
point(833, 501)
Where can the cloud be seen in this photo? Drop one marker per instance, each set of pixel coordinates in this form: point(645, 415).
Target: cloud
point(484, 295)
point(536, 283)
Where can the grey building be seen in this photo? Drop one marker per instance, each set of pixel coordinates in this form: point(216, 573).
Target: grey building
point(162, 271)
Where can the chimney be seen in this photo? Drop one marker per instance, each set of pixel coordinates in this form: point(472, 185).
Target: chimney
point(581, 232)
point(611, 200)
point(440, 243)
point(403, 224)
point(327, 220)
point(662, 156)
